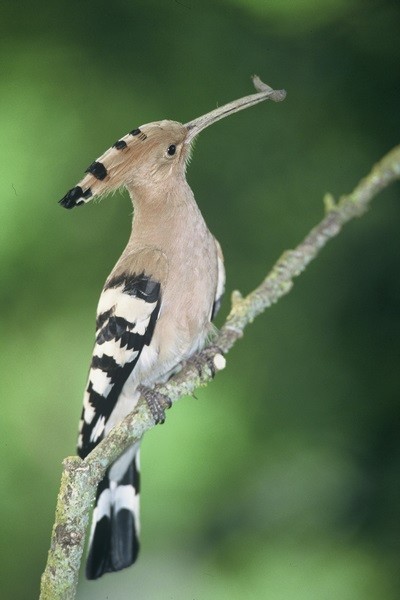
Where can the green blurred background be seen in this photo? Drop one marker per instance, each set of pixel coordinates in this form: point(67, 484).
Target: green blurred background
point(281, 480)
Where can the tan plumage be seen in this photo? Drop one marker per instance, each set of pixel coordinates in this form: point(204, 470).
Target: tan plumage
point(170, 242)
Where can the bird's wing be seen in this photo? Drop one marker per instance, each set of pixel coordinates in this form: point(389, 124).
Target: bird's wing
point(219, 293)
point(127, 313)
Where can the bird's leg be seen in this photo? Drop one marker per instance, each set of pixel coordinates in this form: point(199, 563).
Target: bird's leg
point(211, 357)
point(157, 403)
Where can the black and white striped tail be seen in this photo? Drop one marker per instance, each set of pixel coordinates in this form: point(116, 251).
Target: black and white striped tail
point(114, 540)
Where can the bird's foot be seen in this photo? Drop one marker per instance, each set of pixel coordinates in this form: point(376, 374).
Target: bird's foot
point(211, 357)
point(157, 403)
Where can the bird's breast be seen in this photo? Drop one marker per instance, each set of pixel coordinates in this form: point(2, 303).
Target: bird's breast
point(187, 298)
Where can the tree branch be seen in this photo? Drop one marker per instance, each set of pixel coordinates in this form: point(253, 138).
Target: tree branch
point(80, 478)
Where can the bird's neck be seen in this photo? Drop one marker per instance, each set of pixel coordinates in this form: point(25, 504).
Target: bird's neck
point(163, 215)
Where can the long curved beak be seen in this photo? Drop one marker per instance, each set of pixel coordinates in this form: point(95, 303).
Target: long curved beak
point(265, 92)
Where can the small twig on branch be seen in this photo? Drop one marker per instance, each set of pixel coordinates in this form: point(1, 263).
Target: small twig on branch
point(80, 478)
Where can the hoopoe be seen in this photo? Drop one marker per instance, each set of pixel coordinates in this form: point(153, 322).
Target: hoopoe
point(156, 307)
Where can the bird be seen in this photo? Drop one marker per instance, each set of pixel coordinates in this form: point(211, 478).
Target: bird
point(156, 308)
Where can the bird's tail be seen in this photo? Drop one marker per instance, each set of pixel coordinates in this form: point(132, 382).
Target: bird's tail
point(114, 539)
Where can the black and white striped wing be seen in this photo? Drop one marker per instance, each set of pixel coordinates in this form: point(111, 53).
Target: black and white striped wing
point(127, 313)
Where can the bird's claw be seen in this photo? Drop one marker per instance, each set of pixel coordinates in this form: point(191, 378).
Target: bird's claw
point(157, 403)
point(211, 357)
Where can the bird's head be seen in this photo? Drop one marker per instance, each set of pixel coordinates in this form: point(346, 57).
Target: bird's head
point(152, 154)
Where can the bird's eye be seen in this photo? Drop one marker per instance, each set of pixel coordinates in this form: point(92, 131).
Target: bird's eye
point(171, 150)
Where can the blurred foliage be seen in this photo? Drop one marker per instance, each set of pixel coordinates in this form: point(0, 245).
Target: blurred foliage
point(282, 480)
